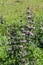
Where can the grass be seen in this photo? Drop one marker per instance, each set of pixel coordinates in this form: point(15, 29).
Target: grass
point(11, 10)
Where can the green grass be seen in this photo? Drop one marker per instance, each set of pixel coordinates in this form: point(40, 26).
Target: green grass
point(11, 10)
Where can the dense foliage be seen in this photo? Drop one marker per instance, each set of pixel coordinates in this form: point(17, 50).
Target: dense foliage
point(13, 50)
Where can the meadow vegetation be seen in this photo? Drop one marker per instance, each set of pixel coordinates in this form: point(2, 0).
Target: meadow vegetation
point(11, 12)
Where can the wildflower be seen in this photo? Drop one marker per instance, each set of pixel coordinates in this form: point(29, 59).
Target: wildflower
point(23, 41)
point(31, 33)
point(20, 46)
point(31, 27)
point(24, 53)
point(22, 29)
point(30, 21)
point(29, 17)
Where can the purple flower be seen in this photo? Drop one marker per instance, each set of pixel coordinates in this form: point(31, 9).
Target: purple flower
point(23, 41)
point(30, 21)
point(24, 53)
point(20, 46)
point(31, 27)
point(22, 29)
point(31, 33)
point(29, 17)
